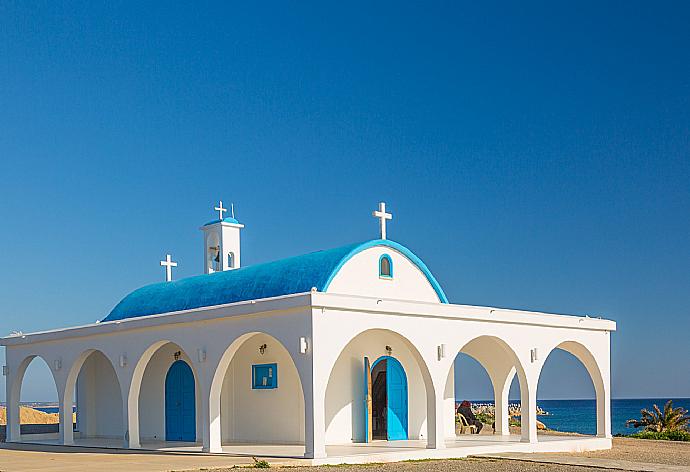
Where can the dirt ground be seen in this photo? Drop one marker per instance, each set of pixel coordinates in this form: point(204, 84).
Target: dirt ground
point(457, 465)
point(25, 458)
point(644, 450)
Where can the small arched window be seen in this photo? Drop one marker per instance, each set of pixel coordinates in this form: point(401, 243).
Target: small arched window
point(231, 260)
point(386, 266)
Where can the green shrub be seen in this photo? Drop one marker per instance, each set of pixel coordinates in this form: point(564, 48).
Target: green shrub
point(485, 418)
point(677, 435)
point(260, 464)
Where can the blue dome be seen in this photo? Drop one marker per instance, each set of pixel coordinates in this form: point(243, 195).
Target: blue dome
point(272, 279)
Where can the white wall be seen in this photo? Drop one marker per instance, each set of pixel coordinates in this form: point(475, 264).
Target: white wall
point(267, 416)
point(345, 390)
point(99, 402)
point(152, 394)
point(360, 276)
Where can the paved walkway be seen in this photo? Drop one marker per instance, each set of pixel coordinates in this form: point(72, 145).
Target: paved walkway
point(611, 464)
point(27, 458)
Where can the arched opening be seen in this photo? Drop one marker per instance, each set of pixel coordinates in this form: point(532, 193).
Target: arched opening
point(571, 391)
point(212, 252)
point(347, 411)
point(33, 402)
point(259, 392)
point(479, 388)
point(96, 390)
point(168, 397)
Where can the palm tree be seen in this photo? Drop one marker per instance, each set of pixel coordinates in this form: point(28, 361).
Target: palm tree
point(671, 419)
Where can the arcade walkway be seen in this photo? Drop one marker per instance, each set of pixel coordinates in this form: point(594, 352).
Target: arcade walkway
point(377, 451)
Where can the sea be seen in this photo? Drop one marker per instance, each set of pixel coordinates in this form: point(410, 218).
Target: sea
point(575, 416)
point(579, 416)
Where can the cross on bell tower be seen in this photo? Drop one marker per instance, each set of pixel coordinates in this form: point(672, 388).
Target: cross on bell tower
point(382, 216)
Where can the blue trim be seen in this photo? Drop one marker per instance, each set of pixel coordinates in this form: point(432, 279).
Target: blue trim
point(390, 266)
point(401, 249)
point(274, 376)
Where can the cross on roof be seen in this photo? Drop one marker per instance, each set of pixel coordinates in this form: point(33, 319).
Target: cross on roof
point(382, 216)
point(220, 210)
point(168, 264)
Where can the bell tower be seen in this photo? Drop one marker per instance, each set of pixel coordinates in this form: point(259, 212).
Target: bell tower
point(222, 241)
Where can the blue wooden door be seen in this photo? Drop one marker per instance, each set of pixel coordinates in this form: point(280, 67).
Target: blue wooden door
point(180, 403)
point(396, 391)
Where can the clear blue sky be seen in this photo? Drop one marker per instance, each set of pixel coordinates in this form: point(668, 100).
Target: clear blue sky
point(534, 155)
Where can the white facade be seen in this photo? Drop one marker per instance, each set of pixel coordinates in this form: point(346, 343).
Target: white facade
point(318, 340)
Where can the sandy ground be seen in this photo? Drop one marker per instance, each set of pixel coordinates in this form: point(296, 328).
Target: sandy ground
point(15, 458)
point(644, 450)
point(458, 465)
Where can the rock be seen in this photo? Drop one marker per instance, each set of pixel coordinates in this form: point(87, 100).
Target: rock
point(541, 426)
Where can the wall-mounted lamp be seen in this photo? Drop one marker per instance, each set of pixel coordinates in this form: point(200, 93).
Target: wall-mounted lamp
point(123, 360)
point(177, 355)
point(389, 350)
point(533, 354)
point(57, 364)
point(5, 371)
point(201, 355)
point(441, 348)
point(262, 349)
point(303, 345)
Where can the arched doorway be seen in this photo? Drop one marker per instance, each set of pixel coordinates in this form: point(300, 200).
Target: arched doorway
point(180, 403)
point(166, 389)
point(389, 411)
point(347, 401)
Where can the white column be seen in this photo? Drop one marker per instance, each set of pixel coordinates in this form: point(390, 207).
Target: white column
point(528, 406)
point(130, 410)
point(449, 404)
point(435, 413)
point(12, 390)
point(210, 418)
point(603, 391)
point(314, 422)
point(501, 385)
point(65, 415)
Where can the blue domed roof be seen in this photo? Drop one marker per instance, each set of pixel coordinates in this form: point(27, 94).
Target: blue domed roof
point(272, 279)
point(227, 219)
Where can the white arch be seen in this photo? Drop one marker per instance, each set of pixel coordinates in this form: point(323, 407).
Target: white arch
point(600, 382)
point(213, 438)
point(428, 383)
point(131, 410)
point(501, 363)
point(13, 431)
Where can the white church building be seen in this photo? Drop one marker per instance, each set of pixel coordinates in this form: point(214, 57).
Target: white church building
point(340, 355)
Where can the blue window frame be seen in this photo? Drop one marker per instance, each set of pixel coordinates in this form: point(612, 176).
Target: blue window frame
point(386, 267)
point(264, 376)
